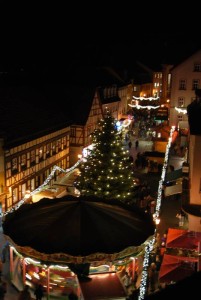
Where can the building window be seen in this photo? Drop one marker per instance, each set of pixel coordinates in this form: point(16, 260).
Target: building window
point(197, 67)
point(180, 102)
point(40, 153)
point(15, 195)
point(53, 148)
point(180, 118)
point(72, 132)
point(195, 84)
point(59, 144)
point(33, 158)
point(48, 147)
point(14, 166)
point(64, 142)
point(182, 84)
point(23, 161)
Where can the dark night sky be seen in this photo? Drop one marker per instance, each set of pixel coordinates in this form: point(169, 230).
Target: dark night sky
point(60, 55)
point(55, 38)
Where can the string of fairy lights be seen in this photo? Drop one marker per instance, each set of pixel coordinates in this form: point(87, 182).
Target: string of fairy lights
point(41, 187)
point(146, 98)
point(150, 245)
point(135, 102)
point(181, 110)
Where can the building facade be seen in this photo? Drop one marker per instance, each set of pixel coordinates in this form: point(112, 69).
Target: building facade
point(185, 79)
point(26, 166)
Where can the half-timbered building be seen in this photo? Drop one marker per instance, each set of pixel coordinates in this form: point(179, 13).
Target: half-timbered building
point(42, 127)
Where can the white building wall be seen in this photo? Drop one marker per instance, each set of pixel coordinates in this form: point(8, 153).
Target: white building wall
point(184, 71)
point(194, 223)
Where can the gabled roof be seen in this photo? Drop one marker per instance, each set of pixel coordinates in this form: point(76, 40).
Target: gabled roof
point(184, 58)
point(109, 99)
point(29, 111)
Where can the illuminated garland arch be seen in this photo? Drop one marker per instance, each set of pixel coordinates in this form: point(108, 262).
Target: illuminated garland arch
point(137, 99)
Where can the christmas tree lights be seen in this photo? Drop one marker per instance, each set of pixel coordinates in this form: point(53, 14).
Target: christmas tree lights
point(107, 171)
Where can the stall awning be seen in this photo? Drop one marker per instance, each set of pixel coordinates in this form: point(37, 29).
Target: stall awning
point(174, 175)
point(173, 189)
point(183, 239)
point(175, 268)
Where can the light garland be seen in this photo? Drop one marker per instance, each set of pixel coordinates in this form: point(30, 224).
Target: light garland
point(143, 283)
point(149, 247)
point(146, 98)
point(144, 106)
point(149, 107)
point(41, 187)
point(181, 110)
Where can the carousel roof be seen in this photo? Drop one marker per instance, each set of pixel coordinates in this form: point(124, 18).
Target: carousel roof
point(78, 229)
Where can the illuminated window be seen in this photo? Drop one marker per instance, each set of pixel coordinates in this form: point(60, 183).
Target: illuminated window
point(14, 166)
point(59, 144)
point(64, 142)
point(48, 147)
point(15, 195)
point(180, 118)
point(23, 161)
point(181, 102)
point(53, 148)
point(40, 153)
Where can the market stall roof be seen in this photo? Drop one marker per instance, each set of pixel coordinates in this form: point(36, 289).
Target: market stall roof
point(183, 239)
point(185, 288)
point(175, 268)
point(77, 229)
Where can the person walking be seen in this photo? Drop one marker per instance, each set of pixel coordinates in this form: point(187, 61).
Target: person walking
point(72, 296)
point(3, 289)
point(39, 292)
point(25, 294)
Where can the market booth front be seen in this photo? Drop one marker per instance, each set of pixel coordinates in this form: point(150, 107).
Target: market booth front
point(54, 240)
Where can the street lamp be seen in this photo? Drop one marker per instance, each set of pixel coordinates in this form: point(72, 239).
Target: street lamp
point(79, 156)
point(156, 219)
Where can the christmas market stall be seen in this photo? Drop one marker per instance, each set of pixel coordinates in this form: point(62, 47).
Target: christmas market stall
point(175, 268)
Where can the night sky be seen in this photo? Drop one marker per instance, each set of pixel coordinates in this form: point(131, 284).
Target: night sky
point(57, 38)
point(150, 49)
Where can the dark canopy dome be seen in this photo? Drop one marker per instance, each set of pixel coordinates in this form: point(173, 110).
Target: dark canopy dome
point(63, 228)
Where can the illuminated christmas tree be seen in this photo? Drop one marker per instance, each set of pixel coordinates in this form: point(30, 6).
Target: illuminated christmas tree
point(107, 170)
